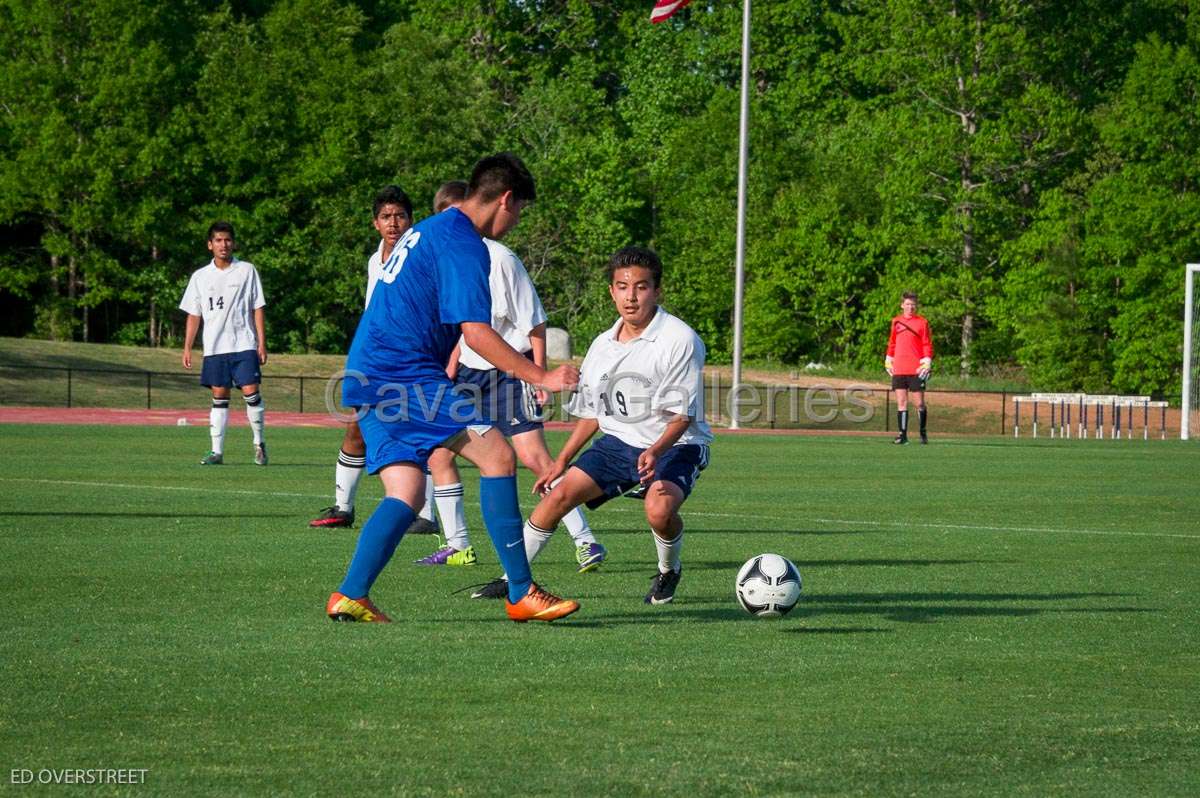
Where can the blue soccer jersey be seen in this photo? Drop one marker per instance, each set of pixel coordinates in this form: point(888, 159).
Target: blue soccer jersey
point(435, 279)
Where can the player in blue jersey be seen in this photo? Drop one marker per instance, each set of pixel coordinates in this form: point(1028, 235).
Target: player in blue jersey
point(432, 290)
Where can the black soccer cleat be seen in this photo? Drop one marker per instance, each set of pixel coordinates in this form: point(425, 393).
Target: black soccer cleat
point(924, 438)
point(900, 440)
point(422, 526)
point(662, 587)
point(495, 589)
point(333, 517)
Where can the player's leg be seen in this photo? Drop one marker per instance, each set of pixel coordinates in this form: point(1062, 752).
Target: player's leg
point(425, 522)
point(574, 488)
point(674, 477)
point(922, 414)
point(215, 375)
point(404, 491)
point(502, 516)
point(351, 463)
point(448, 494)
point(663, 500)
point(901, 414)
point(247, 375)
point(256, 414)
point(531, 450)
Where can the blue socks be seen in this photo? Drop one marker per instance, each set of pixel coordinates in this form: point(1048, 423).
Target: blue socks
point(379, 538)
point(502, 516)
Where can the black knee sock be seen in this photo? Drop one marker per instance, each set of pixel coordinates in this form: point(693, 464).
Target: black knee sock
point(902, 422)
point(923, 414)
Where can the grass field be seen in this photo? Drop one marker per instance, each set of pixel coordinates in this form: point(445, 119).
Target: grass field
point(979, 618)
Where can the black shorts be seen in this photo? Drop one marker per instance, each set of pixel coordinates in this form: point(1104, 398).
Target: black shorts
point(908, 382)
point(233, 368)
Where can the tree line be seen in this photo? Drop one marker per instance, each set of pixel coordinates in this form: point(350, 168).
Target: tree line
point(1030, 167)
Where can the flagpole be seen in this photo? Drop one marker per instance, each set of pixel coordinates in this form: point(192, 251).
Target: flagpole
point(739, 282)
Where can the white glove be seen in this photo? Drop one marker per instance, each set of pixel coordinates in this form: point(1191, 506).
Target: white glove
point(887, 365)
point(926, 366)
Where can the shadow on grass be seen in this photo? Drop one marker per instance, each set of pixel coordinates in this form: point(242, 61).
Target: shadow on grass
point(691, 530)
point(730, 565)
point(74, 514)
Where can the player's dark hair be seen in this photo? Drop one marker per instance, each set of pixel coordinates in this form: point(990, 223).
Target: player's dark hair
point(636, 256)
point(495, 174)
point(449, 193)
point(909, 295)
point(391, 195)
point(220, 227)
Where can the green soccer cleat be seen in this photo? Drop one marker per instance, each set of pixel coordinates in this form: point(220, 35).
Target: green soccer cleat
point(589, 556)
point(212, 458)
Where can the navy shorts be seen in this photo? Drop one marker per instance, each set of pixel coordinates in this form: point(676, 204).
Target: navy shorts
point(612, 464)
point(908, 382)
point(232, 368)
point(503, 401)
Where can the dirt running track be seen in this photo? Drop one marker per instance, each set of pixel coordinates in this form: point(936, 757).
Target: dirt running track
point(102, 416)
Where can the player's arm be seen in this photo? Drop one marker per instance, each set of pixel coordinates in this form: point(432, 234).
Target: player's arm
point(537, 341)
point(891, 350)
point(189, 338)
point(926, 364)
point(581, 433)
point(492, 348)
point(260, 327)
point(648, 459)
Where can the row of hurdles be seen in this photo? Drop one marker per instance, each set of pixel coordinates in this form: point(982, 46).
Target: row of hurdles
point(1083, 414)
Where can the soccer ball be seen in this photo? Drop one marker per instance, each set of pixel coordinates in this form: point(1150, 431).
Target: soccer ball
point(768, 586)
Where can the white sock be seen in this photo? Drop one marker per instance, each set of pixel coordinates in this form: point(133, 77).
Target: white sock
point(668, 552)
point(427, 508)
point(536, 539)
point(346, 477)
point(449, 500)
point(218, 417)
point(255, 410)
point(576, 524)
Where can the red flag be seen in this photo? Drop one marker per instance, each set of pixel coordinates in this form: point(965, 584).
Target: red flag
point(663, 9)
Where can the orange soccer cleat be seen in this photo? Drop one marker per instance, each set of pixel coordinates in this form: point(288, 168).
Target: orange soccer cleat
point(344, 608)
point(538, 605)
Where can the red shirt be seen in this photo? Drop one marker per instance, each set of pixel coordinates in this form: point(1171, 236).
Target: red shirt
point(908, 343)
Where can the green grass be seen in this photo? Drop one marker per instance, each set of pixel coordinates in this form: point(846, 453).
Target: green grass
point(979, 618)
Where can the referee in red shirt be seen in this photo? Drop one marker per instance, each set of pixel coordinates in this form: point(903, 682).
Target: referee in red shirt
point(909, 359)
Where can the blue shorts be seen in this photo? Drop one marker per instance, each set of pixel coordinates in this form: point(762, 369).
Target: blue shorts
point(232, 368)
point(410, 424)
point(503, 401)
point(612, 464)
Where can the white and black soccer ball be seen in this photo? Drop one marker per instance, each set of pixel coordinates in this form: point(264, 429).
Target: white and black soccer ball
point(768, 586)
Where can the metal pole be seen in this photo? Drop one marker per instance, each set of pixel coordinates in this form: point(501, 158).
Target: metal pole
point(739, 280)
point(301, 394)
point(1185, 414)
point(1003, 407)
point(148, 375)
point(68, 387)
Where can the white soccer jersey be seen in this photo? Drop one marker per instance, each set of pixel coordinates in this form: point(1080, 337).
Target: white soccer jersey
point(374, 269)
point(634, 388)
point(226, 300)
point(516, 308)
